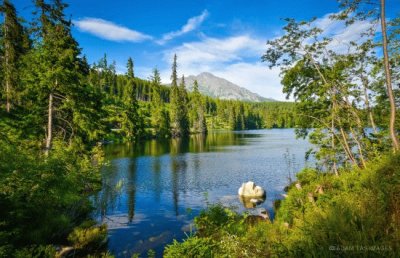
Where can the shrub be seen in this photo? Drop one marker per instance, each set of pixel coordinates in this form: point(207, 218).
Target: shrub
point(191, 247)
point(88, 237)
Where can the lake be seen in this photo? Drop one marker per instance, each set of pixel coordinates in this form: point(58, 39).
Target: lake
point(152, 190)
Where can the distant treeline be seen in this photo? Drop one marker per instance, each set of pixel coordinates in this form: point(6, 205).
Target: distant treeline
point(153, 97)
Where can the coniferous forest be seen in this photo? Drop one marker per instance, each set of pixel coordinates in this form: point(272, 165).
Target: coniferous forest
point(57, 112)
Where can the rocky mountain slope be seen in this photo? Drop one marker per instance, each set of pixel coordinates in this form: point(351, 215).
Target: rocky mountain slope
point(217, 87)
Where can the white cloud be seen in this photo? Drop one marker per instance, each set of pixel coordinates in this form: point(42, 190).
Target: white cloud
point(255, 77)
point(192, 24)
point(215, 51)
point(341, 34)
point(109, 30)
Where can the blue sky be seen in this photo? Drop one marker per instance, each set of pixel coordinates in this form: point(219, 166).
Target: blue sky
point(224, 37)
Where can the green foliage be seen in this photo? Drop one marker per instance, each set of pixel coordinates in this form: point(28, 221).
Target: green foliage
point(88, 236)
point(333, 91)
point(159, 113)
point(197, 114)
point(151, 253)
point(36, 252)
point(193, 247)
point(217, 219)
point(178, 107)
point(52, 194)
point(307, 175)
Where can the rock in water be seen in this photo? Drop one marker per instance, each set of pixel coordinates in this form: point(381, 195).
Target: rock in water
point(250, 189)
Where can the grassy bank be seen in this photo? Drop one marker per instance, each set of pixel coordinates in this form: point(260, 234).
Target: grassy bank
point(356, 214)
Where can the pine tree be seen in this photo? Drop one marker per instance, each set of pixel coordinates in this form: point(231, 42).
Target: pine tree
point(232, 118)
point(13, 48)
point(159, 115)
point(131, 123)
point(130, 73)
point(179, 102)
point(198, 111)
point(183, 107)
point(54, 75)
point(174, 101)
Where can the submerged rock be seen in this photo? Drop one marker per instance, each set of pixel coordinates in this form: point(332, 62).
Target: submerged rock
point(250, 189)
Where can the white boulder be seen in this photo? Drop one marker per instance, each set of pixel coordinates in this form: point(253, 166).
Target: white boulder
point(250, 189)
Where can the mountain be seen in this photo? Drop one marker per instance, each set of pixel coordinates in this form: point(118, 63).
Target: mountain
point(217, 87)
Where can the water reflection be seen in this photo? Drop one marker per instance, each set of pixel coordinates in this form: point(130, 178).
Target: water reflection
point(251, 202)
point(194, 144)
point(131, 189)
point(149, 187)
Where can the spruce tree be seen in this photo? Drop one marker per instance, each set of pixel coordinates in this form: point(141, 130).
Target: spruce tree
point(197, 111)
point(54, 76)
point(159, 115)
point(183, 103)
point(130, 73)
point(13, 48)
point(179, 104)
point(131, 123)
point(175, 101)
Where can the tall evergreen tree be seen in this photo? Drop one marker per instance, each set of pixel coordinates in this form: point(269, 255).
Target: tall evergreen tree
point(160, 116)
point(130, 73)
point(178, 114)
point(131, 123)
point(13, 47)
point(183, 107)
point(198, 111)
point(54, 75)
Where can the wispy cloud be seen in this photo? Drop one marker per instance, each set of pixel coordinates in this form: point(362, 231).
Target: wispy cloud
point(343, 35)
point(109, 30)
point(192, 24)
point(213, 50)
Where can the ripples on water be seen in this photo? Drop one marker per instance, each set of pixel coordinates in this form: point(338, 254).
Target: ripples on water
point(152, 190)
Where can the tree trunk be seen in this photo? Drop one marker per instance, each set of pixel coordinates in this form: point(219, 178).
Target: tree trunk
point(367, 106)
point(8, 104)
point(334, 167)
point(360, 150)
point(49, 125)
point(388, 80)
point(347, 147)
point(7, 67)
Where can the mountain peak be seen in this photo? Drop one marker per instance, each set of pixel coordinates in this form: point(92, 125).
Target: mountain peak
point(206, 74)
point(217, 87)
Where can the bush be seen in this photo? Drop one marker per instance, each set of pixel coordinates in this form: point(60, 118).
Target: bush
point(42, 198)
point(192, 247)
point(217, 219)
point(90, 237)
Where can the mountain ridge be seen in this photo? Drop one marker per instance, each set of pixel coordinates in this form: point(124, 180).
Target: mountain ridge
point(218, 87)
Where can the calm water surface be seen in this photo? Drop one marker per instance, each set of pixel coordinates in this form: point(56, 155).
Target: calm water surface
point(153, 190)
